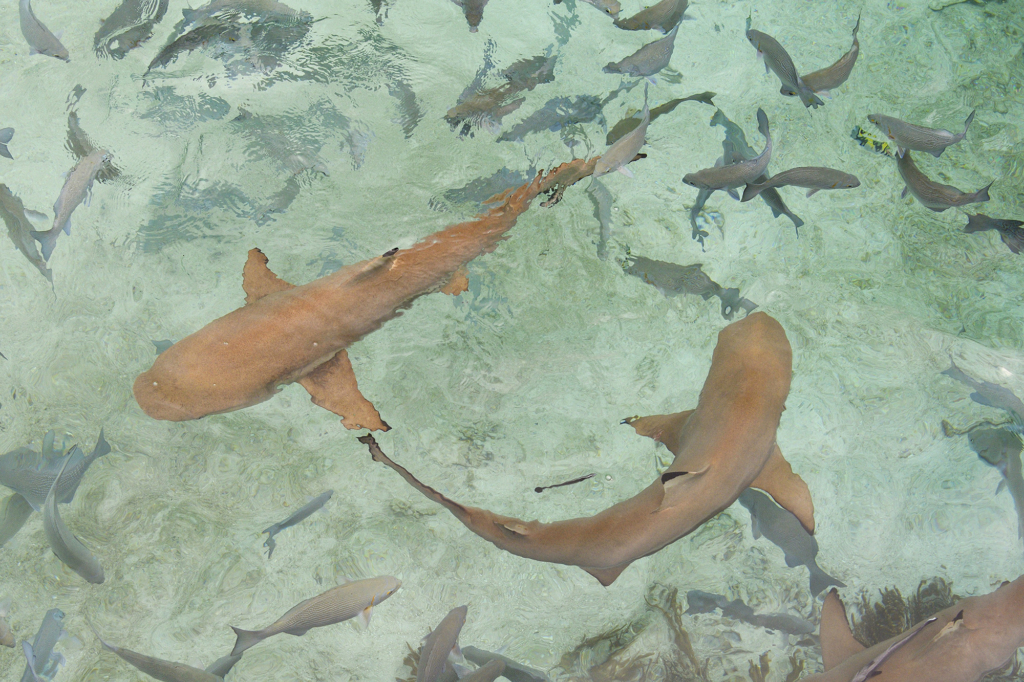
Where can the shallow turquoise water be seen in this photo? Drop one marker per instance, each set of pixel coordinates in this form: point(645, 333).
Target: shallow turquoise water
point(521, 381)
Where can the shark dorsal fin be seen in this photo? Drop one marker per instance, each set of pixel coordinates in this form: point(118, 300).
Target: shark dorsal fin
point(837, 641)
point(258, 280)
point(789, 490)
point(667, 429)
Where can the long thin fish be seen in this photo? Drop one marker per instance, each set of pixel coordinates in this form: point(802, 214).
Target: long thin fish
point(871, 668)
point(40, 39)
point(167, 671)
point(439, 644)
point(918, 138)
point(824, 81)
point(300, 515)
point(934, 195)
point(40, 651)
point(542, 488)
point(811, 178)
point(68, 548)
point(602, 200)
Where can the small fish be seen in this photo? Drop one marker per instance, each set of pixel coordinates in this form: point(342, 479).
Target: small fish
point(128, 26)
point(6, 636)
point(918, 138)
point(474, 11)
point(14, 512)
point(812, 178)
point(663, 17)
point(869, 141)
point(515, 672)
point(706, 602)
point(1010, 231)
point(778, 60)
point(68, 548)
point(824, 81)
point(333, 606)
point(648, 60)
point(934, 195)
point(602, 200)
point(673, 280)
point(488, 673)
point(20, 230)
point(542, 488)
point(631, 122)
point(300, 515)
point(43, 662)
point(77, 188)
point(5, 137)
point(32, 474)
point(223, 665)
point(609, 7)
point(40, 39)
point(1001, 448)
point(784, 530)
point(167, 671)
point(987, 393)
point(728, 176)
point(625, 148)
point(439, 645)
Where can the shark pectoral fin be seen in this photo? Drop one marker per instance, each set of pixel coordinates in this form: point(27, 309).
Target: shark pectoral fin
point(606, 576)
point(664, 428)
point(674, 485)
point(333, 387)
point(789, 490)
point(837, 641)
point(458, 283)
point(258, 280)
point(515, 526)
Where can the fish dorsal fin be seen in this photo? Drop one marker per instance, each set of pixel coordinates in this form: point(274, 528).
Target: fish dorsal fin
point(667, 429)
point(606, 576)
point(789, 490)
point(333, 386)
point(258, 280)
point(837, 641)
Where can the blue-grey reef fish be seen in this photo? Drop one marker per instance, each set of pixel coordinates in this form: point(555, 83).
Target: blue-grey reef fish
point(631, 122)
point(333, 606)
point(648, 60)
point(811, 178)
point(167, 671)
point(487, 673)
point(128, 26)
point(40, 39)
point(609, 7)
point(43, 662)
point(918, 138)
point(934, 195)
point(706, 602)
point(300, 515)
point(6, 636)
point(77, 188)
point(20, 230)
point(14, 512)
point(663, 16)
point(1010, 231)
point(602, 200)
point(474, 11)
point(439, 645)
point(778, 61)
point(556, 114)
point(32, 474)
point(1001, 448)
point(625, 148)
point(5, 137)
point(824, 81)
point(987, 393)
point(673, 280)
point(728, 174)
point(786, 532)
point(223, 665)
point(515, 672)
point(68, 548)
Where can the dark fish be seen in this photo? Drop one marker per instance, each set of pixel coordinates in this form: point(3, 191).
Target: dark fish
point(628, 124)
point(673, 280)
point(729, 174)
point(20, 230)
point(986, 393)
point(705, 602)
point(300, 515)
point(934, 195)
point(130, 25)
point(76, 190)
point(1001, 448)
point(31, 474)
point(486, 107)
point(663, 17)
point(1010, 231)
point(556, 114)
point(474, 11)
point(42, 661)
point(480, 190)
point(5, 137)
point(542, 488)
point(515, 672)
point(81, 146)
point(193, 40)
point(487, 673)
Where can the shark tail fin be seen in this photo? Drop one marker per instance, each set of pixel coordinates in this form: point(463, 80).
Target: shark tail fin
point(47, 240)
point(837, 641)
point(820, 580)
point(244, 639)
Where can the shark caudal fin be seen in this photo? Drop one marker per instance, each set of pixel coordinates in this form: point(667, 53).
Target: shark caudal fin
point(244, 639)
point(378, 455)
point(837, 641)
point(788, 489)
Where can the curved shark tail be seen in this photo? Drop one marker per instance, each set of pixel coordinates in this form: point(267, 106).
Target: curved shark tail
point(47, 240)
point(752, 191)
point(820, 580)
point(245, 639)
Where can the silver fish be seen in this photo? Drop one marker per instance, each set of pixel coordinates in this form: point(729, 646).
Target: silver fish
point(706, 602)
point(934, 195)
point(918, 138)
point(223, 665)
point(333, 606)
point(812, 178)
point(14, 512)
point(987, 393)
point(1001, 448)
point(515, 672)
point(1010, 231)
point(728, 176)
point(168, 671)
point(609, 7)
point(783, 530)
point(439, 644)
point(648, 60)
point(5, 136)
point(128, 26)
point(474, 11)
point(778, 60)
point(20, 229)
point(6, 636)
point(77, 188)
point(673, 280)
point(32, 474)
point(68, 548)
point(79, 144)
point(42, 660)
point(40, 39)
point(824, 81)
point(663, 17)
point(300, 515)
point(602, 200)
point(625, 148)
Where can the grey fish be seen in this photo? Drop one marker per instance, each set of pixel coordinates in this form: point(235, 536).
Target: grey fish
point(672, 280)
point(439, 644)
point(918, 138)
point(268, 139)
point(663, 17)
point(871, 669)
point(609, 7)
point(300, 515)
point(625, 148)
point(556, 114)
point(728, 176)
point(784, 530)
point(474, 11)
point(515, 672)
point(1001, 449)
point(167, 671)
point(631, 122)
point(5, 137)
point(486, 107)
point(6, 636)
point(602, 200)
point(68, 548)
point(333, 606)
point(79, 144)
point(1010, 231)
point(42, 660)
point(778, 61)
point(192, 40)
point(934, 195)
point(812, 178)
point(32, 474)
point(648, 60)
point(77, 188)
point(987, 393)
point(40, 39)
point(487, 673)
point(14, 512)
point(824, 81)
point(128, 26)
point(20, 230)
point(218, 10)
point(480, 190)
point(706, 602)
point(223, 665)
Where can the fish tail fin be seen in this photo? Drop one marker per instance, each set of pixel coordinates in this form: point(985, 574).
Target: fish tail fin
point(820, 580)
point(47, 240)
point(976, 223)
point(982, 194)
point(856, 27)
point(967, 124)
point(244, 639)
point(762, 124)
point(102, 447)
point(752, 191)
point(810, 99)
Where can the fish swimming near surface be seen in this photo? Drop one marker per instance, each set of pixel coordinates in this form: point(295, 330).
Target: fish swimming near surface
point(603, 201)
point(14, 512)
point(811, 178)
point(987, 393)
point(278, 337)
point(663, 16)
point(439, 645)
point(673, 280)
point(20, 230)
point(918, 138)
point(43, 661)
point(625, 148)
point(1010, 231)
point(40, 39)
point(128, 26)
point(32, 474)
point(728, 174)
point(785, 531)
point(609, 7)
point(5, 137)
point(167, 671)
point(1001, 448)
point(300, 515)
point(201, 36)
point(705, 602)
point(6, 636)
point(631, 122)
point(77, 188)
point(81, 146)
point(337, 604)
point(961, 644)
point(648, 60)
point(777, 60)
point(934, 195)
point(68, 548)
point(486, 107)
point(515, 672)
point(824, 81)
point(723, 446)
point(556, 114)
point(474, 11)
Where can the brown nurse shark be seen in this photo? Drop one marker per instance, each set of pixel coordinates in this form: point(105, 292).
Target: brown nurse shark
point(722, 447)
point(288, 333)
point(960, 644)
